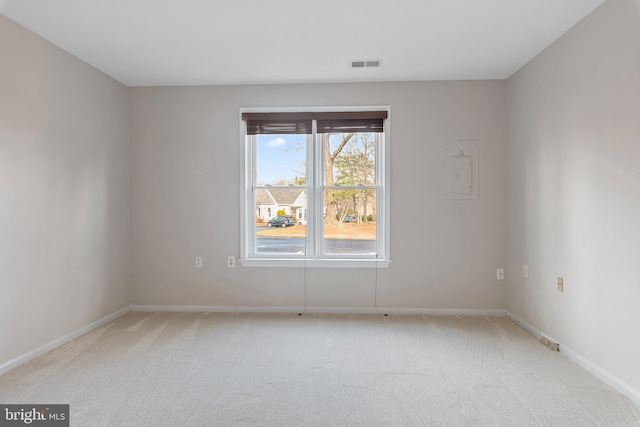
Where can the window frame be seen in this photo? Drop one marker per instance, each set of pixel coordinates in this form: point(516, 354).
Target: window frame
point(315, 187)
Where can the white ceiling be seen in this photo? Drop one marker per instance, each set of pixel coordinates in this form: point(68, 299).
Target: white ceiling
point(202, 42)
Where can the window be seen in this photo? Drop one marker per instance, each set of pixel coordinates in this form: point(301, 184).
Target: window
point(314, 188)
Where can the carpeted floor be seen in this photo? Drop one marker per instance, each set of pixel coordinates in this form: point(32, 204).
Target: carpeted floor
point(197, 369)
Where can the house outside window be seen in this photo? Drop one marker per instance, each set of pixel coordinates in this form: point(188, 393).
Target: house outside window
point(320, 175)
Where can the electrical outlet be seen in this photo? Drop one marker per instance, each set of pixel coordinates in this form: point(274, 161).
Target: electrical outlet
point(199, 262)
point(500, 274)
point(560, 284)
point(231, 261)
point(525, 271)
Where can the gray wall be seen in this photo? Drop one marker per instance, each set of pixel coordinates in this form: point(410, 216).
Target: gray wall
point(185, 199)
point(574, 189)
point(64, 198)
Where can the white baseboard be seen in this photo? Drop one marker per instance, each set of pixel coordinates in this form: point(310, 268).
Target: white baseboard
point(445, 312)
point(535, 332)
point(20, 360)
point(213, 309)
point(612, 381)
point(248, 309)
point(317, 310)
point(606, 377)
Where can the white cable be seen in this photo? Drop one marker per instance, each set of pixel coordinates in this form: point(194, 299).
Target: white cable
point(305, 284)
point(375, 297)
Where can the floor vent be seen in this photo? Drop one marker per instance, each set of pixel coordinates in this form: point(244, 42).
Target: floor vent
point(550, 343)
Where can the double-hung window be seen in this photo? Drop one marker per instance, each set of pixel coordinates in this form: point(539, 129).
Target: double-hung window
point(315, 187)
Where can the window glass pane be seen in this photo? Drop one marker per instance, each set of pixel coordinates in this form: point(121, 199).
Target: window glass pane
point(349, 158)
point(281, 159)
point(313, 201)
point(281, 220)
point(350, 222)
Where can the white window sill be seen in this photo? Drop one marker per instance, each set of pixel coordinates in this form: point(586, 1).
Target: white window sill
point(315, 263)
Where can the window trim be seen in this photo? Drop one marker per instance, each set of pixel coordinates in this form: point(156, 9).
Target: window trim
point(248, 226)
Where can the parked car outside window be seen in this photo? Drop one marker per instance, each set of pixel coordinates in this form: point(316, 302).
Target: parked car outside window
point(281, 221)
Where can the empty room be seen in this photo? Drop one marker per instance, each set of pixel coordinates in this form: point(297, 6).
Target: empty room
point(417, 213)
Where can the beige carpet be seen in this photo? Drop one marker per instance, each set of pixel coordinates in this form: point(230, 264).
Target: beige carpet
point(168, 369)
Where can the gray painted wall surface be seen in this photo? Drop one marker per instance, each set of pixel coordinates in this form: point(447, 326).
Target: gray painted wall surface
point(444, 252)
point(574, 189)
point(64, 193)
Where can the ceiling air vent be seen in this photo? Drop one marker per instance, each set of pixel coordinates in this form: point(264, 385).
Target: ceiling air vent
point(368, 63)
